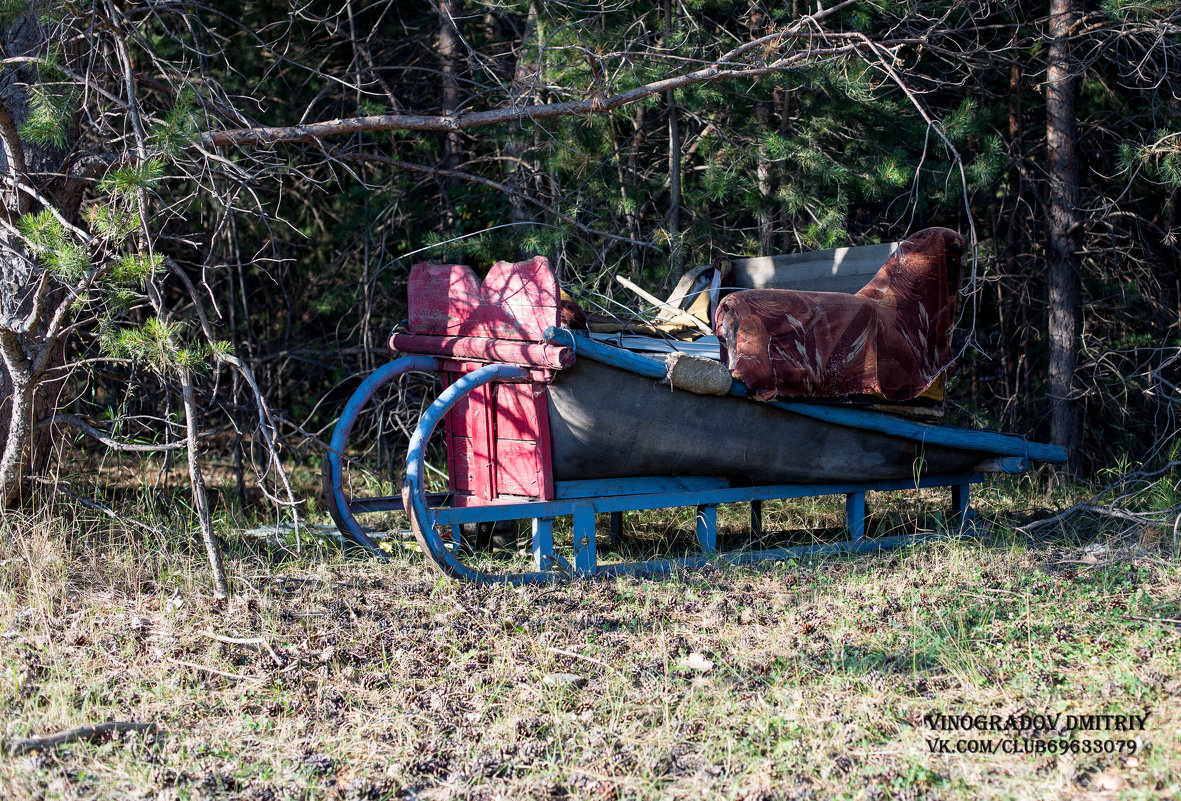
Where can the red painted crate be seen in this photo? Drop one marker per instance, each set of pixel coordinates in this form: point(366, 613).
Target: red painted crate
point(498, 439)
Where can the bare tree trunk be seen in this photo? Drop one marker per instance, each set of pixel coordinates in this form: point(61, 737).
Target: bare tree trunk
point(521, 90)
point(221, 587)
point(23, 397)
point(449, 47)
point(766, 189)
point(764, 176)
point(17, 408)
point(674, 160)
point(1065, 313)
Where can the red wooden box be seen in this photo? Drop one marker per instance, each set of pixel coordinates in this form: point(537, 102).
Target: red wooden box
point(498, 438)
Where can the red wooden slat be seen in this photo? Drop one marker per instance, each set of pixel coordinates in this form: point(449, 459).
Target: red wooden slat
point(517, 468)
point(458, 447)
point(457, 422)
point(515, 301)
point(545, 471)
point(522, 443)
point(516, 413)
point(483, 454)
point(459, 468)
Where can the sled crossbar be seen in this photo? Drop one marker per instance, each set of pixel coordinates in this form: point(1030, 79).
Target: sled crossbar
point(609, 500)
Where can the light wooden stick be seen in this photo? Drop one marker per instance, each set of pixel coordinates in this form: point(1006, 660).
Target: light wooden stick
point(679, 315)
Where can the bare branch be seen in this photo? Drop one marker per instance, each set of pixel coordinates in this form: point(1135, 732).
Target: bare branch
point(716, 71)
point(113, 444)
point(80, 733)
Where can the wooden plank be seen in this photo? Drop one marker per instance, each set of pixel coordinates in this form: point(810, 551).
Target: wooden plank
point(459, 464)
point(457, 436)
point(462, 368)
point(429, 293)
point(467, 509)
point(522, 441)
point(855, 514)
point(707, 527)
point(543, 542)
point(498, 442)
point(483, 454)
point(517, 468)
point(639, 485)
point(516, 413)
point(674, 314)
point(961, 503)
point(756, 521)
point(545, 467)
point(839, 270)
point(585, 558)
point(457, 422)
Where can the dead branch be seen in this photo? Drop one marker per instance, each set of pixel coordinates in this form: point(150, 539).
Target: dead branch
point(722, 68)
point(221, 587)
point(440, 172)
point(113, 444)
point(88, 733)
point(1107, 511)
point(212, 670)
point(258, 642)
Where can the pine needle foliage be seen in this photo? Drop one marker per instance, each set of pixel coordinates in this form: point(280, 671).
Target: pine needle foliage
point(69, 262)
point(51, 107)
point(1159, 161)
point(128, 180)
point(54, 246)
point(1133, 9)
point(112, 222)
point(159, 345)
point(962, 122)
point(43, 232)
point(135, 270)
point(990, 160)
point(178, 127)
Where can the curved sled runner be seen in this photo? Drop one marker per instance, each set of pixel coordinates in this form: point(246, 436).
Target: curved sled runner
point(543, 422)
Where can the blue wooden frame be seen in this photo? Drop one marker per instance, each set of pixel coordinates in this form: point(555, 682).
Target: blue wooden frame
point(584, 500)
point(340, 506)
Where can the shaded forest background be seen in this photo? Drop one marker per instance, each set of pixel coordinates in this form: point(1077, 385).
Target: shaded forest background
point(296, 248)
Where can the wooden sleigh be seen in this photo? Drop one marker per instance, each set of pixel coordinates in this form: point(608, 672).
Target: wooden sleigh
point(543, 422)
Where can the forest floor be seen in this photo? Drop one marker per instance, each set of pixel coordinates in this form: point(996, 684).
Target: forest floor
point(807, 679)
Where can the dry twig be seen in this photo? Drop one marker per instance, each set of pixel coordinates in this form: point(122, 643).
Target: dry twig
point(95, 732)
point(256, 641)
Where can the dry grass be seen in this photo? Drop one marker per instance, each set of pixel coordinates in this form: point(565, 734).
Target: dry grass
point(388, 682)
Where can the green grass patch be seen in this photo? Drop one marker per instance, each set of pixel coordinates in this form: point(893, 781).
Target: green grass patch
point(353, 679)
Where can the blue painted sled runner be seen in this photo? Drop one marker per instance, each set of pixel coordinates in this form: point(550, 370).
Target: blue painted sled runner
point(543, 422)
